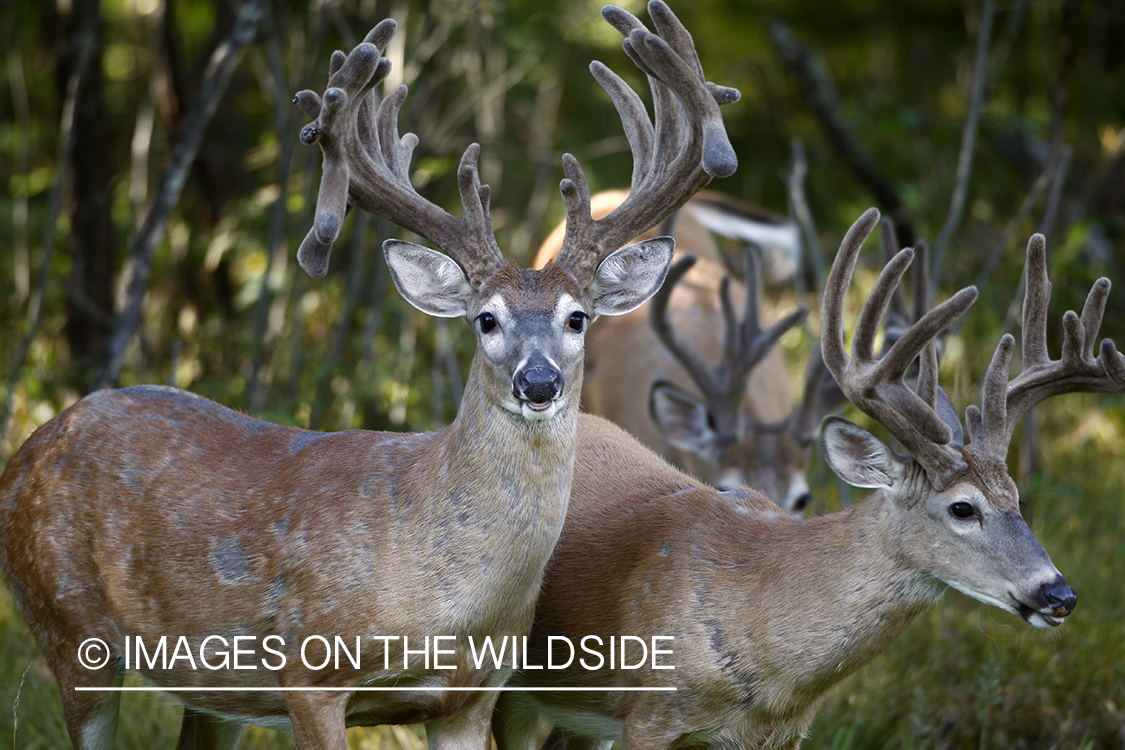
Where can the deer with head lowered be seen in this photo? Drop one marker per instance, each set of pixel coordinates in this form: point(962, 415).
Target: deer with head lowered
point(767, 611)
point(150, 512)
point(719, 406)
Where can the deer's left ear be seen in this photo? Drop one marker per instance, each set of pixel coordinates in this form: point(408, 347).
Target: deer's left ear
point(858, 457)
point(628, 277)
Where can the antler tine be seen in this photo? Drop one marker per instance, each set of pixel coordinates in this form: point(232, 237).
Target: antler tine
point(367, 164)
point(835, 290)
point(876, 385)
point(672, 160)
point(1040, 377)
point(898, 316)
point(746, 342)
point(662, 325)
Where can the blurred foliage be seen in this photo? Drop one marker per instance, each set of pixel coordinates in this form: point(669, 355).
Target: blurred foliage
point(229, 315)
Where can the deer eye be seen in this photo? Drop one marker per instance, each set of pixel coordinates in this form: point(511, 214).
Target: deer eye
point(486, 322)
point(962, 509)
point(577, 322)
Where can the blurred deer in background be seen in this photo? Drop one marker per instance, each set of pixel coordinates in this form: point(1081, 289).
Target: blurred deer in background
point(720, 407)
point(768, 612)
point(151, 512)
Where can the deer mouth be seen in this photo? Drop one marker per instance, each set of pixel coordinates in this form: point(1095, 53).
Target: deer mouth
point(535, 410)
point(538, 405)
point(1044, 618)
point(1040, 619)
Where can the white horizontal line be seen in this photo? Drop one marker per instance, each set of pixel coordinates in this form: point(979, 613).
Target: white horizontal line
point(368, 689)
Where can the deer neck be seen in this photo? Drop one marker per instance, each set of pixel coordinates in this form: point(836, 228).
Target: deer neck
point(503, 476)
point(497, 447)
point(864, 587)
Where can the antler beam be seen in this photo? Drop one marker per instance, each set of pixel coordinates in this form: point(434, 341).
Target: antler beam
point(672, 160)
point(367, 164)
point(875, 385)
point(1041, 377)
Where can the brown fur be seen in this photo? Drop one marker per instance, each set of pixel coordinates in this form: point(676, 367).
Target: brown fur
point(769, 612)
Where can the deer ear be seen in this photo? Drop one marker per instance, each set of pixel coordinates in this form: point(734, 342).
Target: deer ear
point(430, 281)
point(948, 413)
point(858, 457)
point(681, 417)
point(628, 277)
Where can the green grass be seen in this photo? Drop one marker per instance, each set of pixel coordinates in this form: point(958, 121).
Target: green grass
point(963, 675)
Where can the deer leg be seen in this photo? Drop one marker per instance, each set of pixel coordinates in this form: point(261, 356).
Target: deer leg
point(91, 716)
point(560, 739)
point(318, 719)
point(202, 731)
point(468, 729)
point(517, 724)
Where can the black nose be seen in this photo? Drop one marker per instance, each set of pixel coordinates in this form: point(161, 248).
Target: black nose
point(1059, 597)
point(538, 383)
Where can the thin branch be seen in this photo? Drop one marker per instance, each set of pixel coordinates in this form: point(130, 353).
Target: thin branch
point(140, 147)
point(331, 361)
point(968, 144)
point(1006, 38)
point(17, 84)
point(821, 94)
point(810, 255)
point(1050, 173)
point(220, 69)
point(272, 82)
point(1047, 223)
point(85, 39)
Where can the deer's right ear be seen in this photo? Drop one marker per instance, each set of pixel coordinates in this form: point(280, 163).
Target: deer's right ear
point(628, 277)
point(858, 457)
point(427, 279)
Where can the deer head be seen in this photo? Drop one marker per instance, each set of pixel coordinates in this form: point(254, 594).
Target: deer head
point(959, 493)
point(737, 448)
point(366, 164)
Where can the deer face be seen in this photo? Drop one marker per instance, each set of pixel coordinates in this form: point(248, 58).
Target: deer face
point(530, 325)
point(771, 458)
point(988, 551)
point(530, 328)
point(968, 534)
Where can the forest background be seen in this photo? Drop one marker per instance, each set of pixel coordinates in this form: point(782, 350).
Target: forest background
point(157, 192)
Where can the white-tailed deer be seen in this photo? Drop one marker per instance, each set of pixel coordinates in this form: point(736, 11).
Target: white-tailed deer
point(149, 513)
point(720, 407)
point(768, 612)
